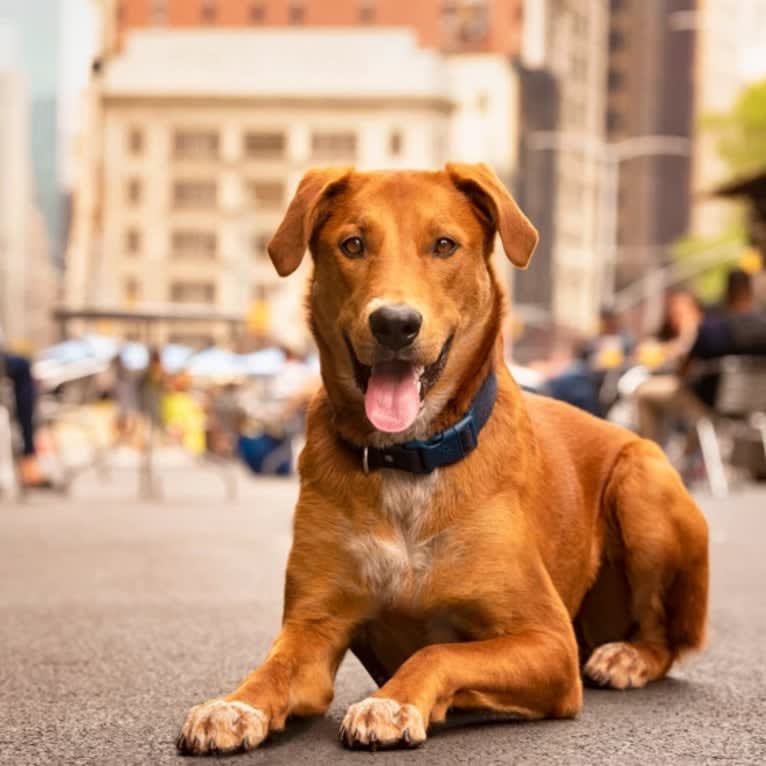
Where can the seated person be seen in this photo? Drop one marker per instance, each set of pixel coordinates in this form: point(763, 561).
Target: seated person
point(739, 329)
point(664, 395)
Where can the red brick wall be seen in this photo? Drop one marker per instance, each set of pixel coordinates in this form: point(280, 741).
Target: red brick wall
point(425, 16)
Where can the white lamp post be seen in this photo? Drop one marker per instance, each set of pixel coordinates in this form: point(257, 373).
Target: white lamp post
point(608, 157)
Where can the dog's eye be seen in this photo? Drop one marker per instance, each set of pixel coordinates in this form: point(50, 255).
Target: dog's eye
point(444, 247)
point(353, 247)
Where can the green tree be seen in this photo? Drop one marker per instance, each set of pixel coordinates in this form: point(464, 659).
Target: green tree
point(740, 136)
point(741, 132)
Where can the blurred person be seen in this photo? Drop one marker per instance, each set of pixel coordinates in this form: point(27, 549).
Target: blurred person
point(738, 328)
point(126, 397)
point(569, 379)
point(270, 450)
point(152, 388)
point(688, 393)
point(611, 344)
point(224, 419)
point(740, 298)
point(295, 383)
point(19, 371)
point(576, 374)
point(664, 393)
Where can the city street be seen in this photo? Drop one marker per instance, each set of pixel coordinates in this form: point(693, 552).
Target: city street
point(116, 616)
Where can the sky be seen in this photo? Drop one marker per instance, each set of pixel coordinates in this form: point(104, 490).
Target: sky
point(50, 43)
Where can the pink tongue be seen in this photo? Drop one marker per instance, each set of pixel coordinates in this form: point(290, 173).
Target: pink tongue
point(392, 400)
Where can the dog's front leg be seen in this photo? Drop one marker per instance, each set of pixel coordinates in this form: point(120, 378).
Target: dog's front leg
point(295, 679)
point(533, 673)
point(322, 610)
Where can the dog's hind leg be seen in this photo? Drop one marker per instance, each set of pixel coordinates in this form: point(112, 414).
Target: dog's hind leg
point(658, 537)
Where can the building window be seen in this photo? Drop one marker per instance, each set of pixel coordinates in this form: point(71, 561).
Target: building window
point(196, 145)
point(616, 40)
point(615, 79)
point(208, 11)
point(395, 143)
point(367, 11)
point(268, 145)
point(134, 191)
point(195, 194)
point(296, 12)
point(133, 241)
point(260, 244)
point(158, 12)
point(194, 244)
point(465, 22)
point(256, 13)
point(267, 195)
point(132, 290)
point(192, 292)
point(333, 146)
point(613, 121)
point(136, 141)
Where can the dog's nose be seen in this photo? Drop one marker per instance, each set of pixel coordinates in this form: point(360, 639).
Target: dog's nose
point(396, 325)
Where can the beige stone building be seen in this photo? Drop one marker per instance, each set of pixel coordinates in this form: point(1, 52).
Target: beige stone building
point(201, 136)
point(27, 277)
point(569, 38)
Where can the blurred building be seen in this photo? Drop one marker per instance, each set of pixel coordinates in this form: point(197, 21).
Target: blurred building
point(455, 26)
point(38, 33)
point(27, 279)
point(564, 61)
point(193, 154)
point(731, 55)
point(650, 91)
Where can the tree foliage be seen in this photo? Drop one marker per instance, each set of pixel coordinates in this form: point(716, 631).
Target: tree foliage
point(740, 136)
point(741, 132)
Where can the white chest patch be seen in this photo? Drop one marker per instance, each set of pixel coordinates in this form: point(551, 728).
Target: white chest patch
point(400, 561)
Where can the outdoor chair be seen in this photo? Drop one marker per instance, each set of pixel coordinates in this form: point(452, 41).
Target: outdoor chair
point(740, 406)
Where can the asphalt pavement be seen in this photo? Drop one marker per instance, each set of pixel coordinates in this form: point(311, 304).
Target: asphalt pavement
point(116, 616)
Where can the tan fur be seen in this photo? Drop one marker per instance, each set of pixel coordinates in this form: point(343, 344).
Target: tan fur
point(560, 541)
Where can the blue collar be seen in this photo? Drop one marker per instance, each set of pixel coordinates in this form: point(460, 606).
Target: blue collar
point(446, 447)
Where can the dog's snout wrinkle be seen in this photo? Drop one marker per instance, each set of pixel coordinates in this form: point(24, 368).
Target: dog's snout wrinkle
point(395, 326)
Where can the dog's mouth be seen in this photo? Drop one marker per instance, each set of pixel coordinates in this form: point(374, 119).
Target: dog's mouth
point(394, 389)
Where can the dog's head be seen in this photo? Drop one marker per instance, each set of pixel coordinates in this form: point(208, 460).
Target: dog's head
point(403, 295)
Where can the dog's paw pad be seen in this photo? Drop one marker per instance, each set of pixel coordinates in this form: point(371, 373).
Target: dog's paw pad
point(222, 727)
point(379, 722)
point(617, 665)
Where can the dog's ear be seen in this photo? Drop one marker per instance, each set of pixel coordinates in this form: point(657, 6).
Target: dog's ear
point(288, 245)
point(493, 202)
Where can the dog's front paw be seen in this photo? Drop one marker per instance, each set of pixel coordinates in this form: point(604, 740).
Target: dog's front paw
point(379, 722)
point(222, 727)
point(617, 665)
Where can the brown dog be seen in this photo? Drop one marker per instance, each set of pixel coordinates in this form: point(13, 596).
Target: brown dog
point(471, 573)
